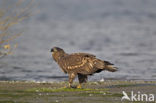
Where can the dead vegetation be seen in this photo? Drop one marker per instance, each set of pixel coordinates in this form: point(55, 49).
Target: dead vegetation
point(11, 14)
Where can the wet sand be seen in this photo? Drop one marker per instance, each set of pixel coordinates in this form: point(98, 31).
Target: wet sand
point(54, 92)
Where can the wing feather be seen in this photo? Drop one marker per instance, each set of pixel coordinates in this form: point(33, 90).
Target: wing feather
point(79, 62)
point(75, 61)
point(84, 54)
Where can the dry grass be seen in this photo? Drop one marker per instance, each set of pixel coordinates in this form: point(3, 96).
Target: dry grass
point(11, 14)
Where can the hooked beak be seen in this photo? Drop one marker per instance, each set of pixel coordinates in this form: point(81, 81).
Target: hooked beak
point(52, 50)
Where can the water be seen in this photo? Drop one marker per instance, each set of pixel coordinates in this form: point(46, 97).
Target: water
point(120, 31)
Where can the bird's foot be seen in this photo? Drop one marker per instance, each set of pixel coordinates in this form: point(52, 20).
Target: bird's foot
point(69, 86)
point(79, 86)
point(65, 87)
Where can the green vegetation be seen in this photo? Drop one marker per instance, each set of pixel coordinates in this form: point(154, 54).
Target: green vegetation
point(62, 89)
point(100, 92)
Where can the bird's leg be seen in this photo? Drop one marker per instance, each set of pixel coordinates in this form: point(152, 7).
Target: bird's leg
point(82, 79)
point(71, 78)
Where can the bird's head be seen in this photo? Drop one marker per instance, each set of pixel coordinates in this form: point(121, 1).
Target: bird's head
point(57, 53)
point(56, 49)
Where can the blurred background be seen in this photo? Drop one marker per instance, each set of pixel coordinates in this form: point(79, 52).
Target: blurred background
point(120, 31)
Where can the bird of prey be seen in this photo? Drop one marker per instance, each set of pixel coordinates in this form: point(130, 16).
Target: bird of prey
point(81, 64)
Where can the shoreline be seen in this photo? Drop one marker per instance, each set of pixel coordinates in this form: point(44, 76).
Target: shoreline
point(54, 92)
point(53, 81)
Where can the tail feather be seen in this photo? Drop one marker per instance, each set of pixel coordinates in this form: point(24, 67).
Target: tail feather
point(111, 68)
point(104, 65)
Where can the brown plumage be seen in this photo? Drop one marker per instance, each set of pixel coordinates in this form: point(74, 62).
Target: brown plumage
point(81, 64)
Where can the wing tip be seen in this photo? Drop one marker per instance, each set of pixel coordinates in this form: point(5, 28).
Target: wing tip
point(108, 63)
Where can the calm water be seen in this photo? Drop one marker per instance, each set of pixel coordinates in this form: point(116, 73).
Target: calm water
point(120, 31)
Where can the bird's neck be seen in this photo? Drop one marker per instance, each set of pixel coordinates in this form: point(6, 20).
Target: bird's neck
point(59, 55)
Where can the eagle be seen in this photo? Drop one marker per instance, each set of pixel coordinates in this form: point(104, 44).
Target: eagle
point(80, 64)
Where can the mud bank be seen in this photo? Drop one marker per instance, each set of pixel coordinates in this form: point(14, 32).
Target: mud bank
point(54, 92)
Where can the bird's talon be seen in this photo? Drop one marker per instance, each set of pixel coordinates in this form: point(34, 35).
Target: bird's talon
point(79, 86)
point(65, 87)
